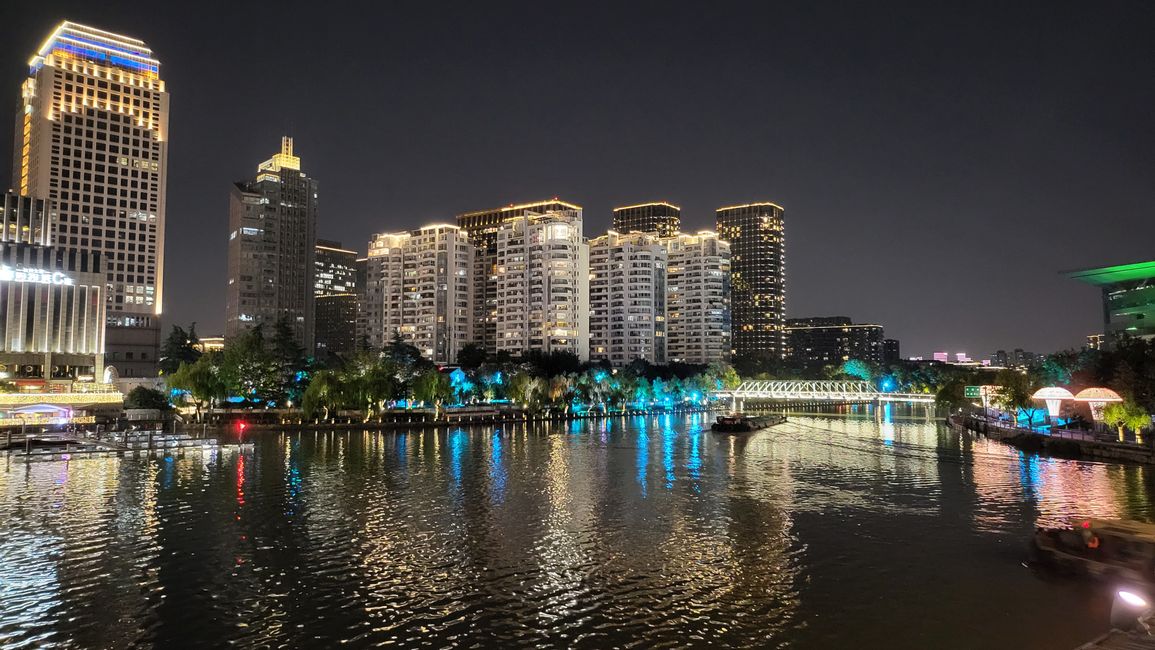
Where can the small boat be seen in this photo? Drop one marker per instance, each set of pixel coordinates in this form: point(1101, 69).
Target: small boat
point(1100, 548)
point(738, 423)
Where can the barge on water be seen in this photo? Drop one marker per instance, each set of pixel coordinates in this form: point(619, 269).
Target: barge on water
point(1100, 548)
point(742, 424)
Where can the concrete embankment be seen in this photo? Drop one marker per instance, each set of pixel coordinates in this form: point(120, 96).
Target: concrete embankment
point(1064, 447)
point(425, 420)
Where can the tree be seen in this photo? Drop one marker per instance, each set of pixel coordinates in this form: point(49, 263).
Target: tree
point(250, 371)
point(201, 381)
point(325, 392)
point(1127, 415)
point(143, 397)
point(1136, 419)
point(857, 369)
point(180, 347)
point(471, 356)
point(432, 387)
point(1015, 394)
point(1115, 415)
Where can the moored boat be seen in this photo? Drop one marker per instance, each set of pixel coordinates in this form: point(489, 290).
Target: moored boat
point(738, 423)
point(1100, 548)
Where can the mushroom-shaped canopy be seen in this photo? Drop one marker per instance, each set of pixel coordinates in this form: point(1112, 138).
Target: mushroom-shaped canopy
point(1052, 392)
point(1098, 395)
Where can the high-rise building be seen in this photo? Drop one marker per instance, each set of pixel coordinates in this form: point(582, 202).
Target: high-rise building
point(361, 332)
point(418, 287)
point(832, 341)
point(272, 234)
point(698, 298)
point(482, 228)
point(92, 137)
point(335, 299)
point(52, 307)
point(891, 353)
point(757, 236)
point(1128, 292)
point(627, 298)
point(335, 269)
point(543, 284)
point(661, 217)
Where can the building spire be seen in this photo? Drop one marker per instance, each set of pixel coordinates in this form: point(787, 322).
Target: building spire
point(283, 159)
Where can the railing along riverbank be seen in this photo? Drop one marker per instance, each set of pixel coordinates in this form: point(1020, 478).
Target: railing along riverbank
point(1060, 442)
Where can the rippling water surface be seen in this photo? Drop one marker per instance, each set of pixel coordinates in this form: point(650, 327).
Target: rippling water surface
point(864, 530)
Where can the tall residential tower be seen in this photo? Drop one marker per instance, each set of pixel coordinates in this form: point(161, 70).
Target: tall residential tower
point(482, 228)
point(418, 288)
point(661, 217)
point(92, 137)
point(272, 234)
point(757, 236)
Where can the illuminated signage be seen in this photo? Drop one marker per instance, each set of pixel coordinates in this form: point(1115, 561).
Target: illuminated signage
point(35, 276)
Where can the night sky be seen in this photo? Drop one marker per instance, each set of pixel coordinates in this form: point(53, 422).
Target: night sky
point(939, 165)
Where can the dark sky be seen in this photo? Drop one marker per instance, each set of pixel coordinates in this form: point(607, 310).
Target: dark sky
point(938, 164)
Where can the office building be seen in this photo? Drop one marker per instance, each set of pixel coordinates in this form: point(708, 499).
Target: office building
point(627, 298)
point(92, 137)
point(661, 217)
point(272, 234)
point(482, 227)
point(418, 287)
point(698, 298)
point(832, 341)
point(335, 300)
point(52, 305)
point(542, 284)
point(1128, 294)
point(335, 269)
point(756, 232)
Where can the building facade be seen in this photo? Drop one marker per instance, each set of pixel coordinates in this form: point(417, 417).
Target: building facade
point(92, 137)
point(891, 352)
point(335, 299)
point(832, 341)
point(1128, 292)
point(757, 236)
point(482, 227)
point(52, 303)
point(542, 300)
point(419, 287)
point(698, 298)
point(271, 260)
point(627, 298)
point(661, 217)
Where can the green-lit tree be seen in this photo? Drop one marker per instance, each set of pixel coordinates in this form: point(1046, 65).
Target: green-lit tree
point(1015, 394)
point(432, 387)
point(201, 381)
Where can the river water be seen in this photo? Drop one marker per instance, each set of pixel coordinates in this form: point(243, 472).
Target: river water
point(862, 529)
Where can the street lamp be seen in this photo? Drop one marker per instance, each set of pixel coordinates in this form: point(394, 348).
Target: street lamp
point(1096, 399)
point(1053, 396)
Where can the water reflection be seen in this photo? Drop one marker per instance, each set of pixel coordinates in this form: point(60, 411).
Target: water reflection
point(593, 533)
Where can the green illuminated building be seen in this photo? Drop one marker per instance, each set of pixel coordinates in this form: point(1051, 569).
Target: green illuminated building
point(1128, 298)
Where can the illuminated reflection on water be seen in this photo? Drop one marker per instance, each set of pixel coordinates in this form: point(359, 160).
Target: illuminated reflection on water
point(872, 528)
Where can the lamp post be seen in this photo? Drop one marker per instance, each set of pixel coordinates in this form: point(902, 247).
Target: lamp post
point(1053, 396)
point(1096, 399)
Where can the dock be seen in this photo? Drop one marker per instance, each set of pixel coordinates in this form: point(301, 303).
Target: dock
point(39, 447)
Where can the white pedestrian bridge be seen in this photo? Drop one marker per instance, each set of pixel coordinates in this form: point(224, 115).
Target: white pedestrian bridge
point(814, 391)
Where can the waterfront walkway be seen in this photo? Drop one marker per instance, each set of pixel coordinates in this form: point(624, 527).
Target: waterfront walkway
point(1077, 443)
